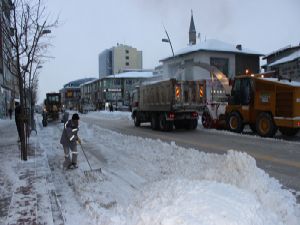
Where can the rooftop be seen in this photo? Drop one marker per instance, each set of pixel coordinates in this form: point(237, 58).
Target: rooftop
point(214, 45)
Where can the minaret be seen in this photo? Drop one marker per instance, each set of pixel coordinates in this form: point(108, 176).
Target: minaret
point(192, 32)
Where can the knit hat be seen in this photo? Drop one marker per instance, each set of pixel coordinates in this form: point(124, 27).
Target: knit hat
point(75, 116)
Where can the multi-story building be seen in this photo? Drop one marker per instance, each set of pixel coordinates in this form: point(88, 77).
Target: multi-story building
point(8, 81)
point(285, 62)
point(70, 93)
point(119, 59)
point(116, 89)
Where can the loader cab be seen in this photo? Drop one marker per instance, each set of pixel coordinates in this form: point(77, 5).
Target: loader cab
point(242, 91)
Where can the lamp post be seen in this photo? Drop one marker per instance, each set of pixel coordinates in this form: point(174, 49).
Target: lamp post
point(168, 40)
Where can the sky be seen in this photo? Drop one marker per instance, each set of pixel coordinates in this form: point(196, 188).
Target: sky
point(86, 28)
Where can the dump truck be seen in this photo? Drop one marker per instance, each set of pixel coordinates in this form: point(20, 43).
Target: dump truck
point(52, 107)
point(266, 104)
point(167, 104)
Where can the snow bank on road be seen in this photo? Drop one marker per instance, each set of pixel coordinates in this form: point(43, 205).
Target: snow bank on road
point(115, 115)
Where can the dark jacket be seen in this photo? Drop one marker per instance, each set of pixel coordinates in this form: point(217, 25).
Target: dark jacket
point(69, 135)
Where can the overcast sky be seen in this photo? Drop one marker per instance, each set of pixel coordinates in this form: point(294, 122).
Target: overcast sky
point(91, 26)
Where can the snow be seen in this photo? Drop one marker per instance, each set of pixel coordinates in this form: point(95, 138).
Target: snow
point(286, 82)
point(295, 55)
point(213, 45)
point(134, 74)
point(146, 181)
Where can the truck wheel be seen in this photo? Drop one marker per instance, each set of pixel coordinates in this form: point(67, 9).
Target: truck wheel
point(265, 125)
point(137, 121)
point(288, 131)
point(162, 122)
point(154, 122)
point(206, 120)
point(235, 122)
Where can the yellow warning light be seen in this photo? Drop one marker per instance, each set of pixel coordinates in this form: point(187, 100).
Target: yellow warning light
point(201, 91)
point(247, 71)
point(177, 91)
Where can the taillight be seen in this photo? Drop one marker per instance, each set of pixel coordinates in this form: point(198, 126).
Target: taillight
point(171, 115)
point(298, 124)
point(194, 114)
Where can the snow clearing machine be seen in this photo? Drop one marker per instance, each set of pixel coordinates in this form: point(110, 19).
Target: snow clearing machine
point(265, 104)
point(52, 107)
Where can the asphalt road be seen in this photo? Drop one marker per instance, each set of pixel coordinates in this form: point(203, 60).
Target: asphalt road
point(279, 156)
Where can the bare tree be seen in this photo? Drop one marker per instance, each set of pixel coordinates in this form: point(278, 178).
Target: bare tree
point(29, 42)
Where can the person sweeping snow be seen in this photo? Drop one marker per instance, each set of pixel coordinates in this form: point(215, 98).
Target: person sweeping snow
point(69, 140)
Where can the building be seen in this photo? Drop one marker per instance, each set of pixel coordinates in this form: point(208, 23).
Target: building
point(285, 62)
point(119, 59)
point(228, 58)
point(70, 93)
point(8, 81)
point(116, 89)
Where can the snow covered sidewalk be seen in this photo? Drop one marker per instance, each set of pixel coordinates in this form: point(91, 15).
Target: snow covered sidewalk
point(24, 190)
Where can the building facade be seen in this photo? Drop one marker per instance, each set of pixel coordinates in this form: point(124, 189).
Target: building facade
point(8, 81)
point(119, 59)
point(285, 62)
point(71, 95)
point(115, 89)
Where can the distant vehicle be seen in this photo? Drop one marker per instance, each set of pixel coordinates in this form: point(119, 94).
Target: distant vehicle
point(167, 104)
point(52, 107)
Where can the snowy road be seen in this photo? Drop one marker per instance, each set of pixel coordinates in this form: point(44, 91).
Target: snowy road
point(149, 181)
point(280, 158)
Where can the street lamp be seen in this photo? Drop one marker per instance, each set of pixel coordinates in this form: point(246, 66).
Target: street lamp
point(168, 40)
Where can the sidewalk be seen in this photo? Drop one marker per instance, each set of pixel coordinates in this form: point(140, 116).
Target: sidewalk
point(25, 186)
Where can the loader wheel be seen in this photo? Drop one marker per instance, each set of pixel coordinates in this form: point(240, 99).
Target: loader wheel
point(265, 125)
point(136, 120)
point(206, 120)
point(235, 122)
point(288, 131)
point(154, 122)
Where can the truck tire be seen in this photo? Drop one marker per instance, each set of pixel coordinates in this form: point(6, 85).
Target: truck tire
point(235, 122)
point(154, 122)
point(165, 125)
point(206, 120)
point(136, 120)
point(265, 125)
point(288, 131)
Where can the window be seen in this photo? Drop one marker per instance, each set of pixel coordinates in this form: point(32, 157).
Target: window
point(127, 51)
point(221, 64)
point(127, 57)
point(127, 63)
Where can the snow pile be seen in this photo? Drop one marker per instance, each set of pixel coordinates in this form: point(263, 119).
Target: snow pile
point(198, 202)
point(175, 185)
point(106, 115)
